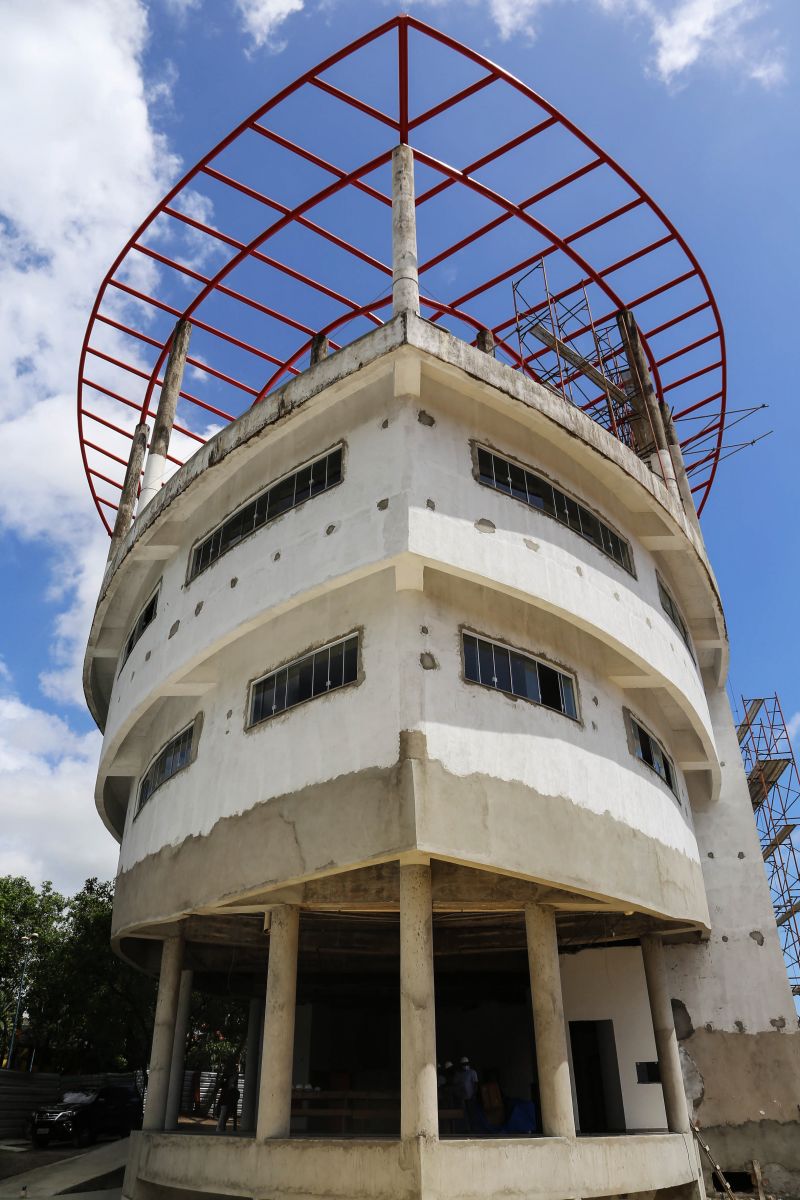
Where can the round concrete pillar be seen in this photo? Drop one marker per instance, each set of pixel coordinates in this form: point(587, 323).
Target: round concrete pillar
point(419, 1106)
point(155, 1111)
point(277, 1050)
point(669, 1062)
point(552, 1061)
point(179, 1051)
point(405, 280)
point(250, 1089)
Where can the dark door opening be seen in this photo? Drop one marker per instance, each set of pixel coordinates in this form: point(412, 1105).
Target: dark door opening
point(596, 1074)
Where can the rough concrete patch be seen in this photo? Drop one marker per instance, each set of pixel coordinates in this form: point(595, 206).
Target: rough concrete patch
point(427, 661)
point(276, 556)
point(485, 526)
point(531, 544)
point(693, 1082)
point(724, 937)
point(710, 854)
point(198, 608)
point(423, 629)
point(385, 423)
point(579, 571)
point(430, 504)
point(425, 418)
point(229, 713)
point(174, 629)
point(234, 581)
point(330, 529)
point(757, 936)
point(740, 1026)
point(383, 504)
point(778, 1022)
point(147, 656)
point(740, 854)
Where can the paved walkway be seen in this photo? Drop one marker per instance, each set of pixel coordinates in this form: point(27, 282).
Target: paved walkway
point(68, 1174)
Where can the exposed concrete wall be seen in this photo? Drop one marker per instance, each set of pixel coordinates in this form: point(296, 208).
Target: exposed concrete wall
point(736, 1019)
point(609, 985)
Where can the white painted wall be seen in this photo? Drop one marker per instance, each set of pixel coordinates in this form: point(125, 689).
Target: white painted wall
point(609, 985)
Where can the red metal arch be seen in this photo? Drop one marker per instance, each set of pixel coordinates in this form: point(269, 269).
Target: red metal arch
point(151, 283)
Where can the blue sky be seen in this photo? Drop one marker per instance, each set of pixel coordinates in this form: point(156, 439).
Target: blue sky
point(108, 101)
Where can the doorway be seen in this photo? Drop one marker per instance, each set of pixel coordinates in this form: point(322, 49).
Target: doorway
point(596, 1074)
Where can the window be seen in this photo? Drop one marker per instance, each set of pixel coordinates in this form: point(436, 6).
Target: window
point(176, 755)
point(536, 492)
point(307, 481)
point(332, 666)
point(648, 1072)
point(671, 609)
point(652, 752)
point(517, 674)
point(145, 618)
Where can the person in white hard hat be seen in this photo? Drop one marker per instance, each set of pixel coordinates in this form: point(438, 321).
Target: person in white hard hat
point(465, 1080)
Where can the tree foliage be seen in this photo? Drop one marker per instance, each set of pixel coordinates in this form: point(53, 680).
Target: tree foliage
point(86, 1010)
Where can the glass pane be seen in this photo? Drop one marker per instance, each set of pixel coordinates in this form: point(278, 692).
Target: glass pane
point(305, 670)
point(302, 487)
point(317, 483)
point(334, 468)
point(568, 696)
point(502, 475)
point(351, 660)
point(590, 527)
point(540, 493)
point(668, 774)
point(486, 663)
point(561, 506)
point(150, 611)
point(336, 668)
point(247, 519)
point(502, 668)
point(549, 687)
point(518, 681)
point(292, 684)
point(281, 498)
point(645, 746)
point(471, 658)
point(573, 515)
point(517, 476)
point(321, 672)
point(485, 468)
point(260, 514)
point(625, 556)
point(279, 703)
point(231, 532)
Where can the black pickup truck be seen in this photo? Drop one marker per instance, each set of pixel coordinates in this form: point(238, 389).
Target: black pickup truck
point(80, 1116)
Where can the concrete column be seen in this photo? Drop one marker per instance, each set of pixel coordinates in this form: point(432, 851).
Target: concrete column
point(179, 1051)
point(669, 1062)
point(163, 1033)
point(250, 1091)
point(277, 1050)
point(485, 341)
point(640, 376)
point(405, 281)
point(165, 414)
point(127, 500)
point(552, 1060)
point(419, 1105)
point(319, 348)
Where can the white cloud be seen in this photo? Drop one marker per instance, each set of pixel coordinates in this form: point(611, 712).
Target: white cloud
point(261, 18)
point(50, 827)
point(793, 725)
point(80, 164)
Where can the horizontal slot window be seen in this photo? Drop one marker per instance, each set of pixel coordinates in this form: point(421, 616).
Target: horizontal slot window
point(145, 618)
point(174, 757)
point(287, 493)
point(651, 752)
point(671, 609)
point(500, 667)
point(331, 667)
point(505, 476)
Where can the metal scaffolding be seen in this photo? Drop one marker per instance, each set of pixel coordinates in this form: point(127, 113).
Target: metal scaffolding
point(774, 784)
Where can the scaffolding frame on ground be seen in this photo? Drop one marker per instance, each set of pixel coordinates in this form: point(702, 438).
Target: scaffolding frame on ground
point(774, 784)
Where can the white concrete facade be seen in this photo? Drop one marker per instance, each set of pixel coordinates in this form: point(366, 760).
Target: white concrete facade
point(412, 764)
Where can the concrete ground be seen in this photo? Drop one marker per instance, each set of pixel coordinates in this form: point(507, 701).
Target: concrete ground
point(53, 1172)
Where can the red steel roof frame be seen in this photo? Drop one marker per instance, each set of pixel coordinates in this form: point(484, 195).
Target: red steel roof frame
point(401, 128)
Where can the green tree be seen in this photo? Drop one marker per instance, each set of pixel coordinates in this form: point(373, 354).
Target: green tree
point(24, 912)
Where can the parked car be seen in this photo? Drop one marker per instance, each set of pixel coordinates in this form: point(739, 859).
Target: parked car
point(81, 1115)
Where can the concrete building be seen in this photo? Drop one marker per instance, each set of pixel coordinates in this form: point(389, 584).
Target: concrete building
point(412, 686)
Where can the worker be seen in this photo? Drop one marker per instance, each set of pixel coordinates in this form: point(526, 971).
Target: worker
point(465, 1080)
point(228, 1103)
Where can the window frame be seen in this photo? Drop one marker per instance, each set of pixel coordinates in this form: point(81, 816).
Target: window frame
point(677, 619)
point(125, 653)
point(196, 725)
point(250, 724)
point(253, 499)
point(531, 656)
point(567, 497)
point(634, 723)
